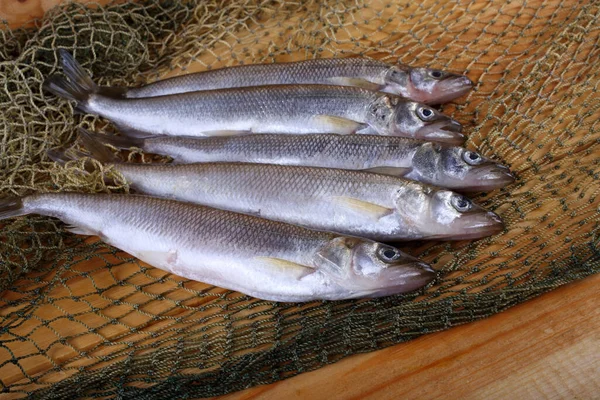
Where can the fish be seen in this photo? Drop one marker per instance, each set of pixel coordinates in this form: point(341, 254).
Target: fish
point(424, 85)
point(356, 203)
point(260, 258)
point(446, 166)
point(281, 109)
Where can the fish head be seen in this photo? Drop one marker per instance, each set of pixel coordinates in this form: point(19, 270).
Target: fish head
point(426, 85)
point(442, 214)
point(459, 168)
point(372, 269)
point(420, 121)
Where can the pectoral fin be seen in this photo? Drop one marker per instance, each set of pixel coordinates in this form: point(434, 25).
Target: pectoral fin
point(393, 171)
point(367, 130)
point(80, 230)
point(357, 82)
point(298, 271)
point(339, 125)
point(159, 259)
point(372, 210)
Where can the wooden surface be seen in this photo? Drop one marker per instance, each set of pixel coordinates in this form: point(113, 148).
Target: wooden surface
point(547, 348)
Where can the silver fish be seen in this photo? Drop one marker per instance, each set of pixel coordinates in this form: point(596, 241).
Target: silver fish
point(301, 109)
point(425, 85)
point(446, 166)
point(258, 257)
point(355, 203)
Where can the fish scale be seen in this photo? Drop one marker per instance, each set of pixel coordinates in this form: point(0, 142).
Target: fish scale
point(427, 162)
point(350, 202)
point(307, 192)
point(351, 152)
point(415, 83)
point(315, 71)
point(191, 219)
point(282, 109)
point(262, 258)
point(257, 109)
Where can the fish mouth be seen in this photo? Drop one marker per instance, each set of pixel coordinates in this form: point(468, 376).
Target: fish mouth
point(489, 177)
point(404, 278)
point(447, 131)
point(450, 89)
point(479, 225)
point(474, 225)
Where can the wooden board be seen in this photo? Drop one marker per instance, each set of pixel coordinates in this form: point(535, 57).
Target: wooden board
point(548, 348)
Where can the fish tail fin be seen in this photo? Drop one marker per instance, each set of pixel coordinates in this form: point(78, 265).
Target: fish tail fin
point(59, 156)
point(79, 85)
point(120, 142)
point(11, 207)
point(96, 147)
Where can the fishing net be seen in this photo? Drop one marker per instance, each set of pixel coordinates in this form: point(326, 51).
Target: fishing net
point(80, 318)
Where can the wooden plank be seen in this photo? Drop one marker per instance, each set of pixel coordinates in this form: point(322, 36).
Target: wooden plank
point(548, 348)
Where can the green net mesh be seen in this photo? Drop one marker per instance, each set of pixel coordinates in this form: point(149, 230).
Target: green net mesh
point(80, 318)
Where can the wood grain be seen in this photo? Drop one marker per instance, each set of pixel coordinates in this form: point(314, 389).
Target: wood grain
point(548, 348)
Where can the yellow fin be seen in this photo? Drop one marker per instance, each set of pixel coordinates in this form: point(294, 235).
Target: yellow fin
point(393, 171)
point(357, 82)
point(373, 210)
point(299, 271)
point(339, 125)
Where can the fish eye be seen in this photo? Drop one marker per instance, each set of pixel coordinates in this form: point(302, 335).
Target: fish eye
point(436, 74)
point(472, 158)
point(425, 113)
point(388, 254)
point(461, 203)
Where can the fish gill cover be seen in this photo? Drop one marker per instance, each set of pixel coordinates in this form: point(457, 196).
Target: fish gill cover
point(80, 318)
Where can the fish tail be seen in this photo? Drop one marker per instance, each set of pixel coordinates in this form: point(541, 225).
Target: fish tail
point(120, 142)
point(79, 85)
point(11, 207)
point(96, 147)
point(59, 156)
